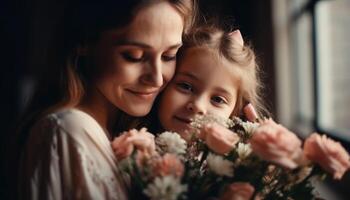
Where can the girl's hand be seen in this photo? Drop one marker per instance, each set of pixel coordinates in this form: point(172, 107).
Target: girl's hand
point(250, 113)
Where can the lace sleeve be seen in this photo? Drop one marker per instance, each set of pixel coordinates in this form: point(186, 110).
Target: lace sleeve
point(58, 166)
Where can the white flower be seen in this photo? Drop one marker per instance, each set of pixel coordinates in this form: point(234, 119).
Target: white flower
point(171, 142)
point(243, 150)
point(249, 127)
point(218, 165)
point(165, 188)
point(200, 120)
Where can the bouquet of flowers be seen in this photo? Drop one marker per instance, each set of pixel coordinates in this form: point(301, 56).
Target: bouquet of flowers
point(228, 159)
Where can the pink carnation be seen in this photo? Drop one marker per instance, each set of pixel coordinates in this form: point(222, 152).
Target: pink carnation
point(218, 138)
point(275, 143)
point(238, 191)
point(121, 147)
point(125, 144)
point(327, 153)
point(169, 164)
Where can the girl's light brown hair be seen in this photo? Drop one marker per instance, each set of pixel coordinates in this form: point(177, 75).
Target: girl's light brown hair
point(225, 46)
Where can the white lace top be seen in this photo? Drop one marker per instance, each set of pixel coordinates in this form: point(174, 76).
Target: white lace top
point(68, 156)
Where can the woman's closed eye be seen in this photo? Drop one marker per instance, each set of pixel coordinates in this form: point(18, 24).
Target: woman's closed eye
point(136, 56)
point(184, 87)
point(168, 58)
point(218, 100)
point(170, 55)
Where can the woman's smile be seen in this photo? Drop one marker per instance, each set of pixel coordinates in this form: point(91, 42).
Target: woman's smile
point(146, 95)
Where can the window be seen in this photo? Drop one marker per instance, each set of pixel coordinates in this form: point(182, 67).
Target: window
point(313, 65)
point(333, 67)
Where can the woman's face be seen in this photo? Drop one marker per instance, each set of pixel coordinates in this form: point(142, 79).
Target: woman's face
point(135, 63)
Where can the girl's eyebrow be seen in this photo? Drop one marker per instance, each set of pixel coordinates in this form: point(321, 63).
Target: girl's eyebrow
point(223, 90)
point(188, 74)
point(141, 44)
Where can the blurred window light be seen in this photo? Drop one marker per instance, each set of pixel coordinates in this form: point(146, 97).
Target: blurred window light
point(332, 20)
point(313, 65)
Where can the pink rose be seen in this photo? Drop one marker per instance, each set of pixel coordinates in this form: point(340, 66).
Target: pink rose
point(169, 164)
point(124, 145)
point(329, 154)
point(273, 142)
point(121, 147)
point(238, 191)
point(218, 138)
point(143, 158)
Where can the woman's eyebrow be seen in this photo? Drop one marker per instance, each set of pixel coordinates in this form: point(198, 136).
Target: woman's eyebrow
point(141, 44)
point(175, 46)
point(132, 43)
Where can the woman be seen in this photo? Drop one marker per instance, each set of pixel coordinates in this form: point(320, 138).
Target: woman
point(115, 57)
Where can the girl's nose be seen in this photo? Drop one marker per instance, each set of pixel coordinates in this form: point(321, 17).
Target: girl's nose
point(197, 107)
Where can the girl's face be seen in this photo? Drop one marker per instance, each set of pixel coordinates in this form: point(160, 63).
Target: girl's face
point(203, 84)
point(135, 63)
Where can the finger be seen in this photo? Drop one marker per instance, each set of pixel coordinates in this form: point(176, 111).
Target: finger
point(250, 112)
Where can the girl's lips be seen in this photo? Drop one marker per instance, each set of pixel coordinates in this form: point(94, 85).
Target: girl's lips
point(185, 120)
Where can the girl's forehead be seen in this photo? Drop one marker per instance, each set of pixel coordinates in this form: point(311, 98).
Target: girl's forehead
point(202, 58)
point(207, 64)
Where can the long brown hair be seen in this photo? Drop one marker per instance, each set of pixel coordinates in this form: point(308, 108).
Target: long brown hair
point(64, 80)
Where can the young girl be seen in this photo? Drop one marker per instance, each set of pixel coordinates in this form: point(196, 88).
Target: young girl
point(216, 74)
point(112, 61)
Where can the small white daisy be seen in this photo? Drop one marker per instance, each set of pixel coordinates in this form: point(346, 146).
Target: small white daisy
point(243, 150)
point(171, 142)
point(200, 120)
point(249, 127)
point(165, 188)
point(219, 165)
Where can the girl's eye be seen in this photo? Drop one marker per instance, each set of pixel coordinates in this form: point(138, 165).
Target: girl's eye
point(218, 100)
point(168, 58)
point(133, 57)
point(185, 87)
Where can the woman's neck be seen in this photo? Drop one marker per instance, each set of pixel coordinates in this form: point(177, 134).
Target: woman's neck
point(100, 109)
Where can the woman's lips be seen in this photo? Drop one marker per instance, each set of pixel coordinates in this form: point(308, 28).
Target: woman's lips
point(145, 94)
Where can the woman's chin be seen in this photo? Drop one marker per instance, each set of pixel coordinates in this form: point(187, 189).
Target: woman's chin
point(138, 112)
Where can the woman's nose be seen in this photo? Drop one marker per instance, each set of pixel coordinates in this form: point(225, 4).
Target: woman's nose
point(154, 75)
